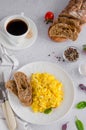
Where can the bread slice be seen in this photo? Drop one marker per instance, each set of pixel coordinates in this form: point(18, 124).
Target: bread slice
point(11, 85)
point(62, 30)
point(64, 14)
point(24, 88)
point(72, 22)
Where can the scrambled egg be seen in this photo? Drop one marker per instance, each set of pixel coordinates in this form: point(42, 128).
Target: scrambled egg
point(47, 92)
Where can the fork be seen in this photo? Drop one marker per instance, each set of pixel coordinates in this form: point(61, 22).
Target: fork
point(9, 115)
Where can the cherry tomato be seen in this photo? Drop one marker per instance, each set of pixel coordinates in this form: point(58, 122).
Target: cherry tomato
point(49, 16)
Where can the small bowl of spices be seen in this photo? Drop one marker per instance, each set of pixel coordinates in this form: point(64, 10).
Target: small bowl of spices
point(71, 54)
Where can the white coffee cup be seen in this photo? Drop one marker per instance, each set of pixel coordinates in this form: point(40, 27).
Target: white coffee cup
point(17, 38)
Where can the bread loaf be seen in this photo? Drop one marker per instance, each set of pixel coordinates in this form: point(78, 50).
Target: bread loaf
point(68, 24)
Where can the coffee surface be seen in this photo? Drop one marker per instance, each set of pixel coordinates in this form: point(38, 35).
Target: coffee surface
point(17, 27)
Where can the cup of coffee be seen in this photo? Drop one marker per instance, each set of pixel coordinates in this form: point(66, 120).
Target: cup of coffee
point(16, 27)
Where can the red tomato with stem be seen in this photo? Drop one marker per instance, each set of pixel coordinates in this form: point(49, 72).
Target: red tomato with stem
point(49, 16)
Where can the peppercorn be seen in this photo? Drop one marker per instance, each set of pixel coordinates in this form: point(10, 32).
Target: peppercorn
point(71, 54)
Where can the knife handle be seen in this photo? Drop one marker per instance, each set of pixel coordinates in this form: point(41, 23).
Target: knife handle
point(5, 114)
point(10, 115)
point(10, 118)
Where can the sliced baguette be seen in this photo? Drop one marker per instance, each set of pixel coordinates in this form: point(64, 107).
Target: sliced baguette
point(75, 23)
point(11, 85)
point(62, 30)
point(24, 88)
point(73, 5)
point(72, 17)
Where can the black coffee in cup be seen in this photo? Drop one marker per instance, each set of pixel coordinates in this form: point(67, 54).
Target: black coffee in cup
point(17, 27)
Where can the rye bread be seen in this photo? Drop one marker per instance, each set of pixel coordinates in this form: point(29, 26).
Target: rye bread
point(67, 15)
point(24, 88)
point(76, 9)
point(83, 7)
point(58, 39)
point(72, 22)
point(74, 15)
point(63, 30)
point(11, 85)
point(73, 5)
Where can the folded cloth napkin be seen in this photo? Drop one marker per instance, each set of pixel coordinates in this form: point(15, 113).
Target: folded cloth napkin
point(21, 125)
point(6, 67)
point(8, 63)
point(7, 59)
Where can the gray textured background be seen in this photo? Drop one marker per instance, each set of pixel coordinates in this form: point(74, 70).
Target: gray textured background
point(35, 9)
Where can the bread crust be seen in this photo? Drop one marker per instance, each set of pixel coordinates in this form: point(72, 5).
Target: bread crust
point(20, 86)
point(57, 39)
point(63, 30)
point(11, 85)
point(73, 22)
point(70, 16)
point(24, 88)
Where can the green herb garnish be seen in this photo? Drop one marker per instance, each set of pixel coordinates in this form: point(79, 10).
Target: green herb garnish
point(84, 47)
point(79, 124)
point(81, 105)
point(47, 111)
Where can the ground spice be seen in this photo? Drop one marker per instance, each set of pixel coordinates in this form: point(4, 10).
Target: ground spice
point(58, 58)
point(49, 55)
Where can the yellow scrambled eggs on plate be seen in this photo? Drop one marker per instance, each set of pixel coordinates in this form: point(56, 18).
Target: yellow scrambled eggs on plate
point(47, 92)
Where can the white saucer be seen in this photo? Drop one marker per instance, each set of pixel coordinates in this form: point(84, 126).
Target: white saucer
point(23, 45)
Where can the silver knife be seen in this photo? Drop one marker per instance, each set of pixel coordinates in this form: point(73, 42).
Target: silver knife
point(9, 115)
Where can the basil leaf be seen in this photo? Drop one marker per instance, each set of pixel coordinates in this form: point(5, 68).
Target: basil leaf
point(79, 125)
point(84, 47)
point(47, 111)
point(81, 105)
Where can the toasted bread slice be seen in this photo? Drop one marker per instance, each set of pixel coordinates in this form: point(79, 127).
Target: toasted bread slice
point(24, 88)
point(11, 85)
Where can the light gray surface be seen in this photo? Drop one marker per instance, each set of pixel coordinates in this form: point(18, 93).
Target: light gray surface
point(44, 46)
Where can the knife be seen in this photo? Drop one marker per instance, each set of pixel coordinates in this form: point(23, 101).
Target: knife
point(4, 107)
point(9, 115)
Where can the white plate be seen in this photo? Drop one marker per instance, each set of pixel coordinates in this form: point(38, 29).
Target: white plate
point(40, 118)
point(25, 44)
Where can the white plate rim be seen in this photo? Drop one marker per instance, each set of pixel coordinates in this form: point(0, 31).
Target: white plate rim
point(47, 123)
